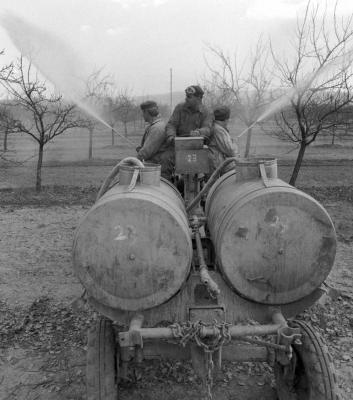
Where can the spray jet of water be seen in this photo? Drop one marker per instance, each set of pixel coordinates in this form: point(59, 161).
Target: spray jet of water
point(55, 60)
point(304, 85)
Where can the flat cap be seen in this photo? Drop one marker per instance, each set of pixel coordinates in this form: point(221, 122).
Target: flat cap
point(195, 90)
point(146, 105)
point(221, 113)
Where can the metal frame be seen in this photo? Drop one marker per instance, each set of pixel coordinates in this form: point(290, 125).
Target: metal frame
point(205, 332)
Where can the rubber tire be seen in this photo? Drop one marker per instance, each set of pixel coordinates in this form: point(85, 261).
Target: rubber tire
point(101, 373)
point(314, 375)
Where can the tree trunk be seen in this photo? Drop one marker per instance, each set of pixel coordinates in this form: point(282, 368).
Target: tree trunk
point(113, 137)
point(125, 129)
point(39, 168)
point(333, 138)
point(5, 141)
point(298, 164)
point(248, 143)
point(90, 144)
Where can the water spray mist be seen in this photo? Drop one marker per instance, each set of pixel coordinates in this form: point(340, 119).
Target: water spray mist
point(56, 60)
point(304, 85)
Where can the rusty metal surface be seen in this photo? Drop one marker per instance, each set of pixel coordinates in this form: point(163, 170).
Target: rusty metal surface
point(275, 244)
point(133, 249)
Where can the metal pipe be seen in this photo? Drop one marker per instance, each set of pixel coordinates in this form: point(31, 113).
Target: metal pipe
point(204, 275)
point(234, 331)
point(248, 330)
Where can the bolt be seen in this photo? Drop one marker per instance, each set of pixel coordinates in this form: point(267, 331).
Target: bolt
point(132, 257)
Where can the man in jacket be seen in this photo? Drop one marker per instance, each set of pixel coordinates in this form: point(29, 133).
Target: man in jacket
point(190, 118)
point(220, 145)
point(154, 147)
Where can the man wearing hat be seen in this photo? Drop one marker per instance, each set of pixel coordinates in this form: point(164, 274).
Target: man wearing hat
point(154, 147)
point(220, 145)
point(190, 118)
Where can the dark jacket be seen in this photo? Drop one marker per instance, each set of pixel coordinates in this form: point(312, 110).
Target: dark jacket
point(154, 148)
point(184, 120)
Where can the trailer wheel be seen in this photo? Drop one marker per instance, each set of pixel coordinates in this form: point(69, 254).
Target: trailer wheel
point(312, 376)
point(101, 371)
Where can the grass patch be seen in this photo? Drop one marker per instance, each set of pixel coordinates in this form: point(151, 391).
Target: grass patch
point(75, 195)
point(330, 193)
point(49, 196)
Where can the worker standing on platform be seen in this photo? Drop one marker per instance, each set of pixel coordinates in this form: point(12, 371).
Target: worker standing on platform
point(154, 147)
point(221, 145)
point(191, 117)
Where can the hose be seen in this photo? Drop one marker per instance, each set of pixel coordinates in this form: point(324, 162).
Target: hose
point(204, 274)
point(210, 182)
point(108, 180)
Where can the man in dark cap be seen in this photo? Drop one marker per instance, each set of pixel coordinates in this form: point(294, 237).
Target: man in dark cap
point(220, 145)
point(190, 118)
point(154, 147)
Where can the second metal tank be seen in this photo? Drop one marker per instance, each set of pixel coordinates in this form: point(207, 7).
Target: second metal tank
point(274, 243)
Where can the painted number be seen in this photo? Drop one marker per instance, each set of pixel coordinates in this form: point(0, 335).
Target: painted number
point(191, 158)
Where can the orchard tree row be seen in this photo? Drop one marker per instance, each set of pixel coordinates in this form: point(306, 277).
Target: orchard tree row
point(32, 107)
point(304, 91)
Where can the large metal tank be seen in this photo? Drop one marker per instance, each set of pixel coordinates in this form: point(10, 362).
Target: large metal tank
point(133, 250)
point(274, 244)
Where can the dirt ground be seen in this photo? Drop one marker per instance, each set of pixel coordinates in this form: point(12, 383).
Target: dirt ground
point(43, 329)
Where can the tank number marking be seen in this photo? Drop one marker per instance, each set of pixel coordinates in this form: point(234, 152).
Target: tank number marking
point(121, 235)
point(191, 158)
point(273, 220)
point(278, 224)
point(130, 233)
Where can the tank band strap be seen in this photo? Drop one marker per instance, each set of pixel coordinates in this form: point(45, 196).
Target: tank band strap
point(133, 179)
point(263, 174)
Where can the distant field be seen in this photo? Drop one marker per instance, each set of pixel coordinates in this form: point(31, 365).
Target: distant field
point(87, 174)
point(74, 146)
point(65, 158)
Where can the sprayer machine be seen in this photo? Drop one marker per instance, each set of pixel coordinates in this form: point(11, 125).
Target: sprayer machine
point(216, 273)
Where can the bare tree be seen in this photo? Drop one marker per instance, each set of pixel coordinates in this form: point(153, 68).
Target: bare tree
point(244, 85)
point(97, 86)
point(214, 95)
point(7, 124)
point(110, 113)
point(318, 77)
point(45, 116)
point(126, 109)
point(342, 123)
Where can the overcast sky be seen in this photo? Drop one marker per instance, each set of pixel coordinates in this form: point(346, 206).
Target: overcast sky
point(139, 41)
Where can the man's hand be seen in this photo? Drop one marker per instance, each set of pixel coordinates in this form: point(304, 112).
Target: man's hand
point(196, 132)
point(138, 148)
